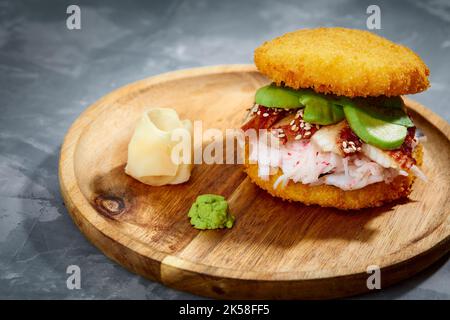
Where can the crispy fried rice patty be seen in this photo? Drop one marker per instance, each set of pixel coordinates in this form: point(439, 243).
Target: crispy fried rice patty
point(373, 195)
point(342, 61)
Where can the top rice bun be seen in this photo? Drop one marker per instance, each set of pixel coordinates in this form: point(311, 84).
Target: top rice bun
point(347, 62)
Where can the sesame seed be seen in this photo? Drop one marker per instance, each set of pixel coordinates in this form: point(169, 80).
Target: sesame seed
point(358, 149)
point(302, 124)
point(293, 127)
point(298, 137)
point(353, 147)
point(281, 135)
point(265, 114)
point(258, 113)
point(286, 109)
point(292, 122)
point(317, 127)
point(351, 143)
point(344, 144)
point(349, 150)
point(307, 133)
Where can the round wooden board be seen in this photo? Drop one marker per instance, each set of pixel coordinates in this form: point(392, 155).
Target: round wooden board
point(276, 249)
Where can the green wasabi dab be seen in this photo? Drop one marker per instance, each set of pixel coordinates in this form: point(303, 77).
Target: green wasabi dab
point(210, 211)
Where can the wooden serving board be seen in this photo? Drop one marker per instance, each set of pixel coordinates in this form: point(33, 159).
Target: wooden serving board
point(276, 249)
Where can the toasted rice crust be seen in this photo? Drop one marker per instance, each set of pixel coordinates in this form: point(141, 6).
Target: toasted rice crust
point(342, 61)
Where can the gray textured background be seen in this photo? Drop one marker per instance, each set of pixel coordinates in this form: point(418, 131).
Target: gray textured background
point(49, 75)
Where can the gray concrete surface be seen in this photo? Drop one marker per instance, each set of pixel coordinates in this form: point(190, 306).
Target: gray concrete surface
point(49, 75)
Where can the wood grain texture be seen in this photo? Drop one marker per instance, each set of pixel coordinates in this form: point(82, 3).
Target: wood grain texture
point(276, 249)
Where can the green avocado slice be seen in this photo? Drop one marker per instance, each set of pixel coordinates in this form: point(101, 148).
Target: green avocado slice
point(388, 109)
point(387, 102)
point(374, 131)
point(320, 110)
point(394, 116)
point(273, 96)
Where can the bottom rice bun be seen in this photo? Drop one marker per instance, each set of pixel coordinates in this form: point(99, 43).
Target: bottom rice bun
point(373, 195)
point(343, 141)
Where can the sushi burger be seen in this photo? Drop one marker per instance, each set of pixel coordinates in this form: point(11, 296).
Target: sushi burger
point(335, 104)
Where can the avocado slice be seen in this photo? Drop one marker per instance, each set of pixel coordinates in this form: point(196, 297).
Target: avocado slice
point(387, 102)
point(320, 110)
point(273, 96)
point(395, 116)
point(389, 109)
point(374, 131)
